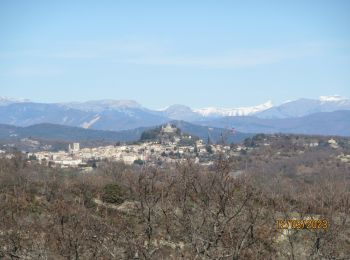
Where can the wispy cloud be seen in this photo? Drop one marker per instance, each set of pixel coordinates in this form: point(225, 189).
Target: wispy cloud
point(138, 53)
point(234, 59)
point(86, 50)
point(230, 60)
point(33, 72)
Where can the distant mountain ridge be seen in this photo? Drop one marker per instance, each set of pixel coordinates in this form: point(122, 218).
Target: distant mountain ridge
point(304, 107)
point(240, 111)
point(323, 123)
point(29, 113)
point(6, 100)
point(119, 115)
point(101, 105)
point(180, 112)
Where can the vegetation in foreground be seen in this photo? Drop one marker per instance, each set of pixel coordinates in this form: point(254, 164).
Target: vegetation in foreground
point(185, 211)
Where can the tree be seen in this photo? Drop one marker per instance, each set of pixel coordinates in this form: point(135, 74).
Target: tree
point(113, 193)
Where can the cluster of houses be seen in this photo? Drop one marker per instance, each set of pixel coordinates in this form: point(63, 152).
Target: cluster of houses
point(151, 152)
point(148, 152)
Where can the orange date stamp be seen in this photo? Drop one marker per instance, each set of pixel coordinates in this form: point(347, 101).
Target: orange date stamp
point(302, 224)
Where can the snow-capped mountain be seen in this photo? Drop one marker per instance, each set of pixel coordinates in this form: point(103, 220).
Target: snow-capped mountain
point(101, 105)
point(335, 98)
point(240, 111)
point(304, 107)
point(6, 100)
point(323, 123)
point(180, 112)
point(101, 115)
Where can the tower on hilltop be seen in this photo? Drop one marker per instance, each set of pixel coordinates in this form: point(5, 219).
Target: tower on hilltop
point(168, 128)
point(73, 148)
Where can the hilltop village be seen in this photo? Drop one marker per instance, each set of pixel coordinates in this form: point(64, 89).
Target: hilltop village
point(167, 144)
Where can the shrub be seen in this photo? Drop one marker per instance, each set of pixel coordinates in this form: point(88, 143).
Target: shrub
point(139, 162)
point(113, 193)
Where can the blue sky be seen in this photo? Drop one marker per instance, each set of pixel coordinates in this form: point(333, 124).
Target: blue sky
point(197, 53)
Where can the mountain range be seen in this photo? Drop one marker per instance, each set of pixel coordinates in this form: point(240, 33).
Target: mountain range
point(304, 107)
point(322, 123)
point(326, 115)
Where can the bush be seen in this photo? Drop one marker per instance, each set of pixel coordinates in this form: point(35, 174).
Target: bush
point(139, 162)
point(113, 193)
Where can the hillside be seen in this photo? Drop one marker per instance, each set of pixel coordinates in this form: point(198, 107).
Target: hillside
point(78, 134)
point(66, 133)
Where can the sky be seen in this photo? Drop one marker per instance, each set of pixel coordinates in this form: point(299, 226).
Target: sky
point(158, 53)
